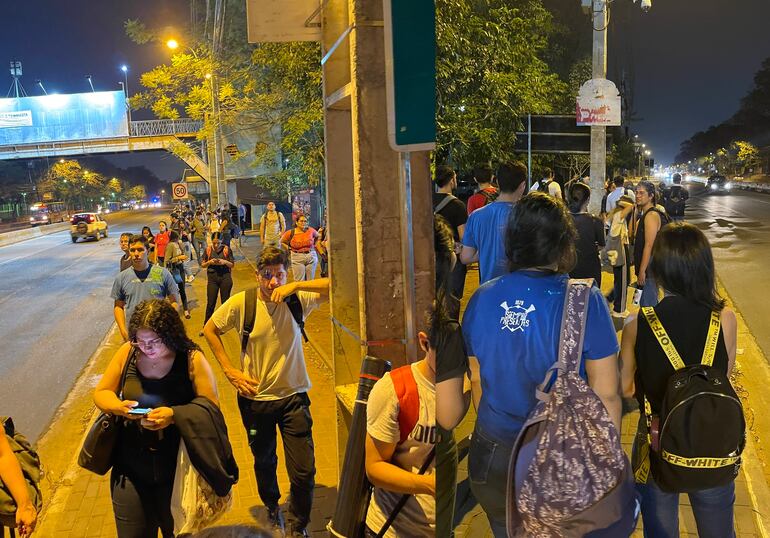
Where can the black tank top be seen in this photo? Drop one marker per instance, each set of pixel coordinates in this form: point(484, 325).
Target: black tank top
point(150, 456)
point(687, 325)
point(639, 238)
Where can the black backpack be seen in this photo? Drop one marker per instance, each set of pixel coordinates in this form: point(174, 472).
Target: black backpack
point(696, 440)
point(489, 197)
point(30, 468)
point(250, 315)
point(543, 186)
point(675, 201)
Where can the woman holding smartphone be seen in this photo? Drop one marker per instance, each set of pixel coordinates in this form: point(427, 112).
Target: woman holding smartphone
point(218, 261)
point(164, 369)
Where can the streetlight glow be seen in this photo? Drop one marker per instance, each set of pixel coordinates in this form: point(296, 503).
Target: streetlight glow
point(124, 68)
point(173, 44)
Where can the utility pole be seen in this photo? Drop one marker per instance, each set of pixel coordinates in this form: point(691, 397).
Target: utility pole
point(599, 19)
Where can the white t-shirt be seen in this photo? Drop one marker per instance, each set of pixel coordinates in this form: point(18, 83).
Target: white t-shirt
point(418, 516)
point(274, 355)
point(554, 189)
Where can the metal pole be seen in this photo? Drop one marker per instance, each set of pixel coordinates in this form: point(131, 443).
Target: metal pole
point(128, 103)
point(407, 255)
point(598, 133)
point(529, 151)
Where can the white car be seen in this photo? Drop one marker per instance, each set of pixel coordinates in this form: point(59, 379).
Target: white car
point(85, 225)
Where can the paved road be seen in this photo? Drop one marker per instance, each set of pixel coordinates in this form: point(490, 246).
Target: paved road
point(738, 226)
point(54, 311)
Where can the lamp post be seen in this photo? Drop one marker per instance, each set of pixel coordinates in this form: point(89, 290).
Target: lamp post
point(124, 68)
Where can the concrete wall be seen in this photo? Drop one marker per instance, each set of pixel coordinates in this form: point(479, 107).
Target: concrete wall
point(16, 236)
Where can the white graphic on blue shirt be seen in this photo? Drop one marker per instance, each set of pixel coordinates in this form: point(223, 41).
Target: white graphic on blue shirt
point(515, 317)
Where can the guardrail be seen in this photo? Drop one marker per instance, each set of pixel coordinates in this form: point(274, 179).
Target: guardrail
point(747, 186)
point(184, 126)
point(18, 236)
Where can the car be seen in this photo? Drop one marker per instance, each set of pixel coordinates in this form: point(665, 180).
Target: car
point(718, 183)
point(83, 225)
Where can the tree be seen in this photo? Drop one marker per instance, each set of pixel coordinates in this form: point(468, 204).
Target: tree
point(490, 72)
point(269, 94)
point(136, 192)
point(746, 156)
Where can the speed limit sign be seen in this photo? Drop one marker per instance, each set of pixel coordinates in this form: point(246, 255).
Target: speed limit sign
point(179, 191)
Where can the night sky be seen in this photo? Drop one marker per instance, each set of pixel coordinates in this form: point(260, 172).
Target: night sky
point(61, 42)
point(692, 60)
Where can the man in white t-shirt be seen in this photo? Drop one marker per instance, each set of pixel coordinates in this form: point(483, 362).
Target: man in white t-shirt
point(548, 185)
point(393, 466)
point(272, 383)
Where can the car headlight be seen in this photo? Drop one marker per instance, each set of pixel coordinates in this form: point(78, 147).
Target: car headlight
point(32, 219)
point(728, 185)
point(714, 186)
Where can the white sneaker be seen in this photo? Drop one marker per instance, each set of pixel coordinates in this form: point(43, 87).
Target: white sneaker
point(623, 314)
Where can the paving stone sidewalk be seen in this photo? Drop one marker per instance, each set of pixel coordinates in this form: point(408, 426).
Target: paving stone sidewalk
point(80, 506)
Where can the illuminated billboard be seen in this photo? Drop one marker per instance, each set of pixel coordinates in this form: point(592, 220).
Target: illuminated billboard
point(60, 117)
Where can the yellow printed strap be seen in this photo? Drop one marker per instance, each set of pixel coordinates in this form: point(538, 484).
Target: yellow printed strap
point(663, 339)
point(698, 463)
point(711, 340)
point(642, 472)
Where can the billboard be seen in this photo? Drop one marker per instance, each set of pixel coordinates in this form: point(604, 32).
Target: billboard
point(598, 103)
point(62, 117)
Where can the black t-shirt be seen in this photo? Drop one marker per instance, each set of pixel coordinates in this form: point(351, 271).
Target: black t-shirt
point(222, 253)
point(590, 237)
point(451, 356)
point(142, 275)
point(454, 212)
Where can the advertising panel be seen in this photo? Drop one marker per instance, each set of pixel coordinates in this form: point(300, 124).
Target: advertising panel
point(598, 103)
point(60, 117)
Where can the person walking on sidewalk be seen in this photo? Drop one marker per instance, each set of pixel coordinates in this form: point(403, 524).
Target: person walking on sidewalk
point(272, 225)
point(174, 262)
point(13, 481)
point(161, 240)
point(198, 235)
point(651, 221)
point(620, 260)
point(272, 382)
point(453, 211)
point(675, 199)
point(142, 281)
point(590, 234)
point(512, 331)
point(395, 453)
point(683, 265)
point(218, 261)
point(485, 229)
point(164, 369)
point(300, 241)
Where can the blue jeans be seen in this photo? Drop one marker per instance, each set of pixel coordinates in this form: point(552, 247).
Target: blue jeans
point(488, 473)
point(649, 293)
point(712, 508)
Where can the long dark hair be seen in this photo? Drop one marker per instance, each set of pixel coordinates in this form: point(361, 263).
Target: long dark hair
point(149, 232)
point(540, 232)
point(682, 263)
point(160, 317)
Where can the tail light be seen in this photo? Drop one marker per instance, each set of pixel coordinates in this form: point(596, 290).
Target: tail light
point(72, 220)
point(90, 218)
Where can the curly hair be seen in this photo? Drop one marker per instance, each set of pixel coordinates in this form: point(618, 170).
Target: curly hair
point(540, 233)
point(160, 317)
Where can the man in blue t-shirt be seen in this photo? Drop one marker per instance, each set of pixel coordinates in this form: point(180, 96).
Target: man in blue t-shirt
point(485, 229)
point(140, 282)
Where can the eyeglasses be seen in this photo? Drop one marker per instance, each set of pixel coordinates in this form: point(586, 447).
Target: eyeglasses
point(269, 275)
point(149, 345)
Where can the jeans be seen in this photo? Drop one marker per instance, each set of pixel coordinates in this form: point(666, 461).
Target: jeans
point(456, 288)
point(141, 509)
point(649, 293)
point(303, 265)
point(621, 274)
point(199, 245)
point(292, 416)
point(712, 508)
point(220, 285)
point(446, 482)
point(488, 472)
point(177, 270)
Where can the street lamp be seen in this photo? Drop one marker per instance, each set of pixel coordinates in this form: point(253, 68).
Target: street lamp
point(124, 68)
point(162, 192)
point(90, 83)
point(173, 44)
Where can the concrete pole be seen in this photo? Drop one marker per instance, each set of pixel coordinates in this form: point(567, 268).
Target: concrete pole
point(598, 133)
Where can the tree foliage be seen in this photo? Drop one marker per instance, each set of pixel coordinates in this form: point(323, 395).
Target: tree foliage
point(490, 72)
point(269, 94)
point(67, 181)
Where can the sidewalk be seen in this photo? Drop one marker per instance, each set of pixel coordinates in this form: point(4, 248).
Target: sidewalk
point(77, 503)
point(752, 504)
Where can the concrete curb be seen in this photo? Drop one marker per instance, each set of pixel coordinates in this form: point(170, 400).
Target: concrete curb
point(17, 236)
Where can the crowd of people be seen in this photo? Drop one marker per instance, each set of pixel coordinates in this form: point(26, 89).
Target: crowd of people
point(537, 251)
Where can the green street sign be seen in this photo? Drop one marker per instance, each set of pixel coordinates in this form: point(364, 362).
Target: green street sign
point(410, 67)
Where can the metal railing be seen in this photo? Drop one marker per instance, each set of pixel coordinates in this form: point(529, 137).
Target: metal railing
point(183, 126)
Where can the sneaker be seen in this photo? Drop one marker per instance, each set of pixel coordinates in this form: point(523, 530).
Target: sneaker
point(300, 533)
point(276, 520)
point(623, 314)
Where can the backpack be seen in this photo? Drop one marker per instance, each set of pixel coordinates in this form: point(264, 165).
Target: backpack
point(680, 446)
point(405, 386)
point(543, 186)
point(489, 197)
point(250, 315)
point(443, 203)
point(675, 201)
point(30, 468)
point(225, 251)
point(568, 475)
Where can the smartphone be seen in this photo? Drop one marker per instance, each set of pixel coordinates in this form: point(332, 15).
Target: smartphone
point(140, 411)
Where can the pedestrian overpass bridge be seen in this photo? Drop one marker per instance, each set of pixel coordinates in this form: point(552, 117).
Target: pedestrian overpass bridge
point(148, 135)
